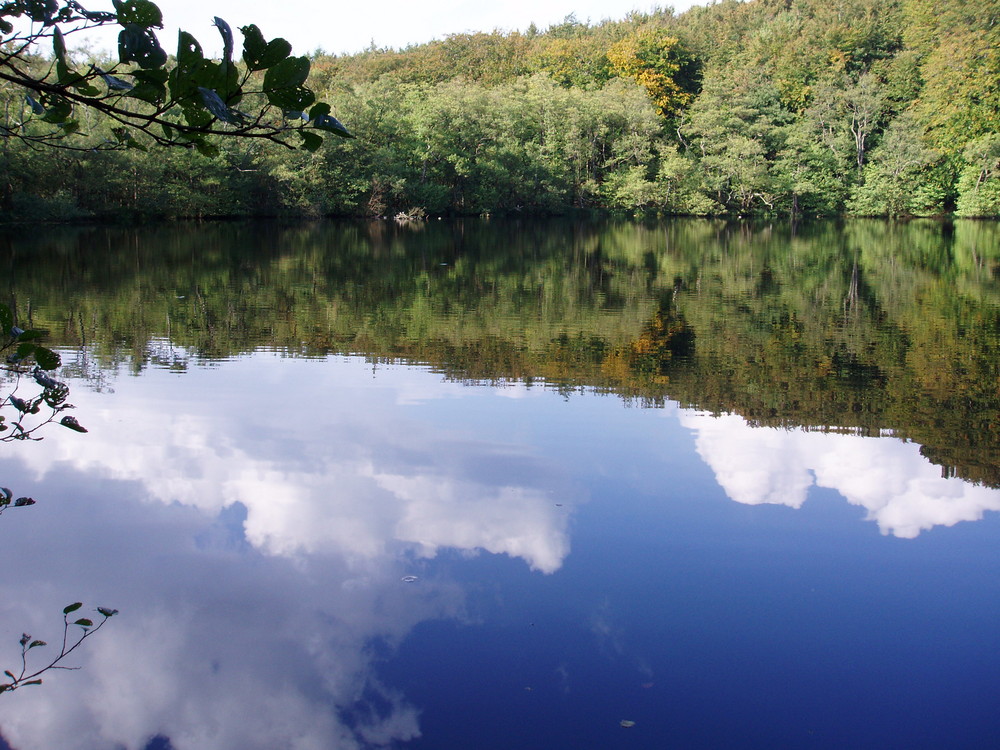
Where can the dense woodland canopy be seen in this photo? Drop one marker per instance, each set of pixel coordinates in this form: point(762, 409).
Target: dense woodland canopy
point(811, 107)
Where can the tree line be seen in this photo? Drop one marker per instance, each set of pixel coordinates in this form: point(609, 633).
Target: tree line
point(801, 107)
point(866, 327)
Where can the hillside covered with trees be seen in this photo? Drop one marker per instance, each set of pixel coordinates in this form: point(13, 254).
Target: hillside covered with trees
point(803, 107)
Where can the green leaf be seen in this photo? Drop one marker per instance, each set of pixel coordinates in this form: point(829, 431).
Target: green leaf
point(140, 45)
point(84, 623)
point(261, 55)
point(57, 108)
point(34, 644)
point(5, 495)
point(332, 125)
point(227, 38)
point(140, 12)
point(206, 148)
point(72, 607)
point(46, 358)
point(150, 85)
point(59, 46)
point(31, 334)
point(216, 106)
point(319, 110)
point(24, 350)
point(283, 84)
point(310, 141)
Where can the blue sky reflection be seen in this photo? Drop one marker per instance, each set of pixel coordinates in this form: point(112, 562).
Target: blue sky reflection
point(253, 522)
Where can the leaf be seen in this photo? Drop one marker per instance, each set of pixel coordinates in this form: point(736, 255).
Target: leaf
point(310, 141)
point(41, 11)
point(227, 38)
point(261, 55)
point(332, 125)
point(83, 622)
point(46, 358)
point(23, 501)
point(36, 108)
point(10, 675)
point(140, 12)
point(6, 316)
point(283, 84)
point(6, 495)
point(107, 612)
point(206, 149)
point(70, 422)
point(33, 644)
point(30, 334)
point(113, 82)
point(139, 45)
point(32, 682)
point(215, 105)
point(57, 109)
point(150, 85)
point(72, 607)
point(59, 46)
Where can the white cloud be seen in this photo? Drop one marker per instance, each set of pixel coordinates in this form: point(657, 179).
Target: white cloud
point(901, 490)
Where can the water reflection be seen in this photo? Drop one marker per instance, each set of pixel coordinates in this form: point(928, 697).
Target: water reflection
point(268, 461)
point(258, 545)
point(901, 490)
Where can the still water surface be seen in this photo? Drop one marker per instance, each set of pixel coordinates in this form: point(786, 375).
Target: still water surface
point(488, 485)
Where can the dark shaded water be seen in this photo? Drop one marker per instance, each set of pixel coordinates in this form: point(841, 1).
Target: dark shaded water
point(510, 485)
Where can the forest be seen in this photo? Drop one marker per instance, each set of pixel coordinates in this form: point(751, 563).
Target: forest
point(869, 328)
point(767, 107)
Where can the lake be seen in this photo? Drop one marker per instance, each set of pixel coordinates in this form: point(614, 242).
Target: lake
point(511, 484)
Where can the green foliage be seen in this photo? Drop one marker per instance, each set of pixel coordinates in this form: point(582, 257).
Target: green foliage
point(184, 102)
point(71, 641)
point(746, 108)
point(24, 359)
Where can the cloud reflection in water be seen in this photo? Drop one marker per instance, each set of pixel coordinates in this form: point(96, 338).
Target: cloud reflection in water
point(254, 540)
point(901, 490)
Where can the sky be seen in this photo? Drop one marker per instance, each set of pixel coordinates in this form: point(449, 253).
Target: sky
point(352, 27)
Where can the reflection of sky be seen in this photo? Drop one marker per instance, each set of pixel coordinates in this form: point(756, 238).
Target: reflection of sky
point(902, 491)
point(253, 521)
